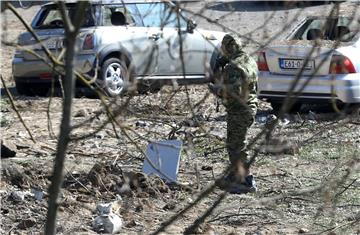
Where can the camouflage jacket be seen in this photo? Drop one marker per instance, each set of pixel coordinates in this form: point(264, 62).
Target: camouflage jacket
point(238, 81)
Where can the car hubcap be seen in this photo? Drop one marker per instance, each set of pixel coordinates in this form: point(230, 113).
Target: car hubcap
point(114, 78)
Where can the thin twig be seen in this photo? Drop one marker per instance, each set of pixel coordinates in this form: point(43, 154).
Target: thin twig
point(15, 109)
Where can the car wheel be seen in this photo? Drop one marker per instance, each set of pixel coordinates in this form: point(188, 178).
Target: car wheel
point(114, 77)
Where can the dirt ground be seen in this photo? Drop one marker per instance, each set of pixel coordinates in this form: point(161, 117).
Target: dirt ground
point(308, 172)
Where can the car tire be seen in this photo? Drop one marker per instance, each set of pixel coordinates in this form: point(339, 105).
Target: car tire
point(115, 77)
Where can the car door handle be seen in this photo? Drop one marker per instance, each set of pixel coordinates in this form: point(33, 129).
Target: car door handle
point(154, 37)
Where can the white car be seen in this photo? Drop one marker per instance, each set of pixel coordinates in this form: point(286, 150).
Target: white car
point(121, 42)
point(320, 60)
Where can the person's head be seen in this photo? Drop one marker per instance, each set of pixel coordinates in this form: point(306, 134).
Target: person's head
point(230, 45)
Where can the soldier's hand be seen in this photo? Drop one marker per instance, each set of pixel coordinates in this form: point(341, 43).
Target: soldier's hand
point(221, 61)
point(215, 89)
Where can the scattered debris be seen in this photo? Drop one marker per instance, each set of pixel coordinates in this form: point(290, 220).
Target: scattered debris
point(95, 145)
point(270, 118)
point(218, 133)
point(104, 208)
point(108, 208)
point(170, 206)
point(26, 223)
point(15, 175)
point(111, 223)
point(165, 159)
point(194, 121)
point(20, 146)
point(132, 223)
point(304, 230)
point(261, 119)
point(141, 124)
point(206, 229)
point(80, 113)
point(106, 176)
point(220, 118)
point(18, 196)
point(207, 168)
point(280, 146)
point(109, 177)
point(21, 134)
point(108, 221)
point(38, 194)
point(284, 122)
point(100, 135)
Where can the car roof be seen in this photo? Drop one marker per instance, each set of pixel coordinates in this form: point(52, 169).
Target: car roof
point(327, 17)
point(110, 2)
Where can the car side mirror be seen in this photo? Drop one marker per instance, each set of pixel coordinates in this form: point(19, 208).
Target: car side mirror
point(191, 25)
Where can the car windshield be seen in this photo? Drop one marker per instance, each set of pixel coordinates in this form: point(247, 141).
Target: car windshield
point(50, 17)
point(341, 29)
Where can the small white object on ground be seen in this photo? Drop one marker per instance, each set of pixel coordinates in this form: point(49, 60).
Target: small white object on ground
point(111, 223)
point(108, 208)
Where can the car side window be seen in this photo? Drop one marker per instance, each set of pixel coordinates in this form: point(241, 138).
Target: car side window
point(342, 29)
point(52, 15)
point(131, 19)
point(346, 29)
point(314, 30)
point(159, 15)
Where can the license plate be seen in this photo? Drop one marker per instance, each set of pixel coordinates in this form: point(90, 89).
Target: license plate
point(296, 64)
point(51, 44)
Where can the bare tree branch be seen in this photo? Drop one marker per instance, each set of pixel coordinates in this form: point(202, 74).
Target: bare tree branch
point(16, 110)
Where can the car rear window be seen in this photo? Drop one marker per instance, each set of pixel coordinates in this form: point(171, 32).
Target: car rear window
point(50, 17)
point(341, 29)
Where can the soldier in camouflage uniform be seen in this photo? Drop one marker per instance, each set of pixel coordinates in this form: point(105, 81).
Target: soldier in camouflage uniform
point(236, 86)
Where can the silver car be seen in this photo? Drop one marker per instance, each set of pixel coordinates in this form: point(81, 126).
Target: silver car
point(149, 42)
point(320, 60)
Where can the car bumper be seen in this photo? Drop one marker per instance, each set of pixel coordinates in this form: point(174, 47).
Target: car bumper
point(342, 87)
point(33, 69)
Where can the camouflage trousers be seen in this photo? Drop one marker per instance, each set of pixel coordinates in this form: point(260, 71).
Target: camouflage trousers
point(240, 117)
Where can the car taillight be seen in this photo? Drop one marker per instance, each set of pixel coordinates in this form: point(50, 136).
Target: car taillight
point(89, 43)
point(45, 76)
point(261, 62)
point(341, 65)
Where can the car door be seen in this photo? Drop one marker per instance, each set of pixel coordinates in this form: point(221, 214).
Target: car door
point(131, 38)
point(178, 49)
point(183, 52)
